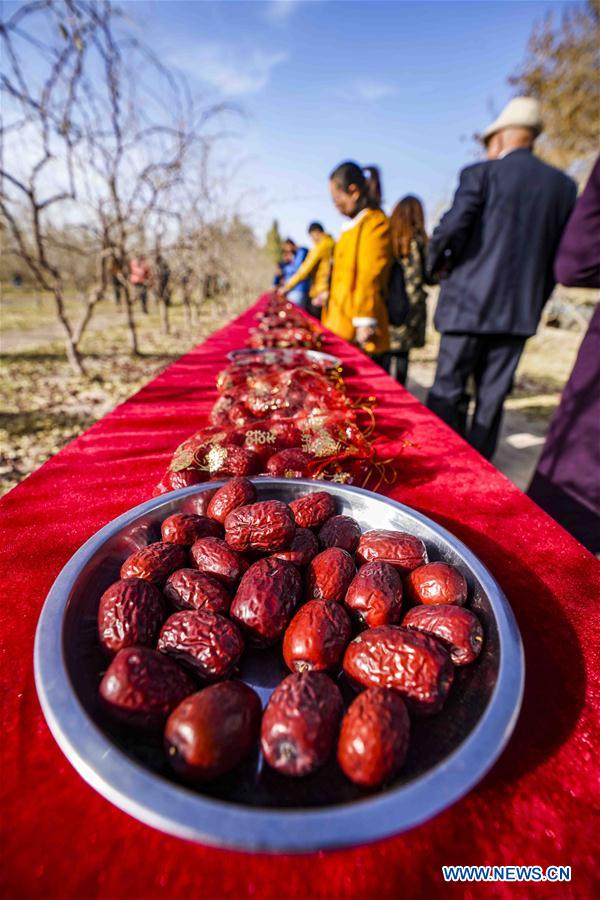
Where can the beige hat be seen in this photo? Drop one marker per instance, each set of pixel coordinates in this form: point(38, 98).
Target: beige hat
point(520, 112)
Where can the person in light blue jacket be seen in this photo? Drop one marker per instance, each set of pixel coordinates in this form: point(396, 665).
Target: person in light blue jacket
point(292, 258)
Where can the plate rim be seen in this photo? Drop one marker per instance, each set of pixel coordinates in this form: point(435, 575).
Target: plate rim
point(215, 822)
point(336, 362)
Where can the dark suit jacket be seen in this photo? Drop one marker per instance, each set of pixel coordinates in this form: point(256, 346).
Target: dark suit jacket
point(498, 241)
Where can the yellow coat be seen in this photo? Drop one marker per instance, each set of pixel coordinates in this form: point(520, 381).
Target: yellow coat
point(318, 265)
point(359, 282)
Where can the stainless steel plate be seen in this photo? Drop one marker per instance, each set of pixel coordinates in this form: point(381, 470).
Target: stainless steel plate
point(275, 355)
point(254, 808)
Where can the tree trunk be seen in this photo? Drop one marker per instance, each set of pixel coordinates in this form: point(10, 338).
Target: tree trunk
point(74, 357)
point(164, 314)
point(133, 339)
point(189, 313)
point(73, 354)
point(93, 297)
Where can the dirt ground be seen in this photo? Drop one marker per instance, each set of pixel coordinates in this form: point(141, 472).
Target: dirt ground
point(542, 373)
point(44, 405)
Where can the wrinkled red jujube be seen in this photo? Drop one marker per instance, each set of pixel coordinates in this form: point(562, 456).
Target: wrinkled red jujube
point(300, 723)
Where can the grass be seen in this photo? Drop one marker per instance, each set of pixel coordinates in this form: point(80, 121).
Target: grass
point(45, 405)
point(27, 311)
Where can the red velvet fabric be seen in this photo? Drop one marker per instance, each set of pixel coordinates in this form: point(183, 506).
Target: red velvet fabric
point(536, 806)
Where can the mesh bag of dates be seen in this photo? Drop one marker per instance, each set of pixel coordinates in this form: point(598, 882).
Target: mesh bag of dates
point(364, 608)
point(328, 445)
point(283, 416)
point(282, 325)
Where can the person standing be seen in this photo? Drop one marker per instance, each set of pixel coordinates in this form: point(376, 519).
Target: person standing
point(316, 267)
point(116, 276)
point(496, 247)
point(409, 246)
point(356, 309)
point(140, 276)
point(292, 258)
point(163, 273)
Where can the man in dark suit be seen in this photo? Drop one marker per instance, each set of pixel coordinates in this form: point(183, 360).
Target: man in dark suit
point(494, 250)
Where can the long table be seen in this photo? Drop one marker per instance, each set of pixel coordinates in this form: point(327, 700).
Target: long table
point(536, 806)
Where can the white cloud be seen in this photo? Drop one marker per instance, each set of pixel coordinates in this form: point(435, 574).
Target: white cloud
point(229, 69)
point(368, 90)
point(280, 10)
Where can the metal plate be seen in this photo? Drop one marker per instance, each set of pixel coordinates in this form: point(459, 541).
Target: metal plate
point(274, 356)
point(254, 808)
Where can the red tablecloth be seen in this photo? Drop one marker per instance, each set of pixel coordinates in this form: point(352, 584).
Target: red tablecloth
point(61, 839)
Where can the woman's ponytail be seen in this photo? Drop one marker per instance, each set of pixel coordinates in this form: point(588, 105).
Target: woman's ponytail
point(373, 187)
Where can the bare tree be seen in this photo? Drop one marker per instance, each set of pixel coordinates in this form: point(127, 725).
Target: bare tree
point(111, 136)
point(41, 112)
point(562, 71)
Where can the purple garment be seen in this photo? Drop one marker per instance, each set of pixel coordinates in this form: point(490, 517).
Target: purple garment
point(577, 262)
point(566, 482)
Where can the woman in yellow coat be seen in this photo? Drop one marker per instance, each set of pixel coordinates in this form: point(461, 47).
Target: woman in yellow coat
point(356, 309)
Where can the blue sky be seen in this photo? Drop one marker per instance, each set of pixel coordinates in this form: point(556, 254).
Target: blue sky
point(400, 84)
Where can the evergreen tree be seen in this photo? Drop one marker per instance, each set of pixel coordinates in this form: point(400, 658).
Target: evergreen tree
point(273, 243)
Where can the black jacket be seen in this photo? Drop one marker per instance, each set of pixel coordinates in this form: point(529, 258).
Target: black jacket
point(498, 243)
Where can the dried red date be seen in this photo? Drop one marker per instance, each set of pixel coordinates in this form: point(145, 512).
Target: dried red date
point(265, 600)
point(303, 548)
point(375, 595)
point(374, 737)
point(330, 574)
point(240, 415)
point(300, 723)
point(264, 526)
point(212, 731)
point(173, 481)
point(414, 664)
point(402, 550)
point(237, 492)
point(437, 582)
point(191, 589)
point(261, 442)
point(458, 629)
point(316, 637)
point(340, 531)
point(292, 463)
point(205, 642)
point(155, 562)
point(131, 612)
point(214, 557)
point(219, 414)
point(230, 460)
point(286, 434)
point(185, 528)
point(141, 687)
point(313, 510)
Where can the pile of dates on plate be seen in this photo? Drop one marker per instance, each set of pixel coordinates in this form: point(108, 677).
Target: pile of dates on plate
point(365, 607)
